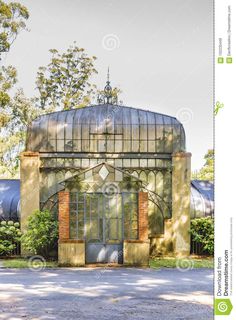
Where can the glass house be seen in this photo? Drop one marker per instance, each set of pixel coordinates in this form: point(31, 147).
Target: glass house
point(110, 166)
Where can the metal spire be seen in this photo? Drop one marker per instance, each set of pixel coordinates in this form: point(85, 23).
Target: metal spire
point(106, 96)
point(108, 75)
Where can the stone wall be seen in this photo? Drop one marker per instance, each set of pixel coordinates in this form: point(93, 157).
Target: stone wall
point(176, 238)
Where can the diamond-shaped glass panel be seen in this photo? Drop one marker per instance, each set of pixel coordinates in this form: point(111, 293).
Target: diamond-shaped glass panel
point(103, 172)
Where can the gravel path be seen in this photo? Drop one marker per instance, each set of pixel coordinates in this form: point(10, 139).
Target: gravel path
point(119, 293)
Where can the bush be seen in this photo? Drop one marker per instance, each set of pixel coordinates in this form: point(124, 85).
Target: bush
point(202, 231)
point(42, 233)
point(10, 236)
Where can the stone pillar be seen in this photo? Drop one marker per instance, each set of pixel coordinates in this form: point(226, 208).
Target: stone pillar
point(181, 184)
point(71, 252)
point(136, 252)
point(29, 186)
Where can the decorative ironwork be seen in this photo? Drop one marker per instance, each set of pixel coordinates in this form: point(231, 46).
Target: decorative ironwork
point(107, 96)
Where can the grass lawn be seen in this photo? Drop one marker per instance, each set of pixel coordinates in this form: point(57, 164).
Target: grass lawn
point(184, 263)
point(155, 263)
point(24, 263)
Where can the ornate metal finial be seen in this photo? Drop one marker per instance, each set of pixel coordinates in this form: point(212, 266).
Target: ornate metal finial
point(106, 96)
point(108, 89)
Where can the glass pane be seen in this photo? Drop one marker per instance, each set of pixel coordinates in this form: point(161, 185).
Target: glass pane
point(102, 145)
point(135, 163)
point(126, 163)
point(127, 132)
point(93, 145)
point(110, 145)
point(127, 145)
point(151, 146)
point(168, 139)
point(52, 145)
point(85, 163)
point(69, 162)
point(113, 229)
point(159, 183)
point(143, 132)
point(77, 145)
point(151, 132)
point(143, 146)
point(85, 145)
point(60, 145)
point(93, 230)
point(143, 163)
point(85, 132)
point(159, 139)
point(135, 132)
point(118, 146)
point(135, 145)
point(151, 163)
point(73, 226)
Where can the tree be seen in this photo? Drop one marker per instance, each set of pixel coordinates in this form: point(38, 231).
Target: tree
point(12, 21)
point(22, 111)
point(207, 171)
point(65, 82)
point(8, 78)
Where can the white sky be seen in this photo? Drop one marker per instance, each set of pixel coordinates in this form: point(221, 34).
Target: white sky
point(162, 57)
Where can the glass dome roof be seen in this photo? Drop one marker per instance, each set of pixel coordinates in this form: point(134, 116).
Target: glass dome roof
point(106, 128)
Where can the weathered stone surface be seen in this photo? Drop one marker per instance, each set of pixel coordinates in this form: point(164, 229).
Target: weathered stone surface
point(136, 252)
point(181, 203)
point(71, 254)
point(29, 187)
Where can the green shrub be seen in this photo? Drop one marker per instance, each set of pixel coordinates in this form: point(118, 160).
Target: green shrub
point(42, 233)
point(202, 231)
point(10, 236)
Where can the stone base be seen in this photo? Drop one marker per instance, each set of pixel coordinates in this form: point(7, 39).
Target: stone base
point(71, 253)
point(136, 253)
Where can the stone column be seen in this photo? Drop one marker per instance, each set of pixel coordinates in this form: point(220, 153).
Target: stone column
point(136, 252)
point(29, 186)
point(181, 184)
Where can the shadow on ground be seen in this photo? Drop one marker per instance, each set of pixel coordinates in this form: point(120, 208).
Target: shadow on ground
point(104, 293)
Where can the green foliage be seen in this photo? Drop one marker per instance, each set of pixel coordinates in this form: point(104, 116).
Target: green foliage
point(10, 235)
point(8, 78)
point(42, 233)
point(207, 171)
point(19, 112)
point(12, 20)
point(64, 83)
point(202, 231)
point(157, 263)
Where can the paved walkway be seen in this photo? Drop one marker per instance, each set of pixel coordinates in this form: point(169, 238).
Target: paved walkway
point(119, 293)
